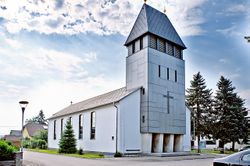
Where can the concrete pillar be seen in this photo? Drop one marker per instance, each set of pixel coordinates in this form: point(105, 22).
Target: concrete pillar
point(178, 143)
point(168, 143)
point(146, 143)
point(157, 143)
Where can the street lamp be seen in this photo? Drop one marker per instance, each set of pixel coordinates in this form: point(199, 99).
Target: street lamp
point(23, 105)
point(248, 38)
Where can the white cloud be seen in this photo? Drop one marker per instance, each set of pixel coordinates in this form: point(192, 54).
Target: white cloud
point(13, 43)
point(98, 16)
point(30, 63)
point(239, 8)
point(230, 31)
point(245, 94)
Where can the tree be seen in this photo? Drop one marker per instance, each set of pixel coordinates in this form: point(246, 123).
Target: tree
point(42, 135)
point(231, 121)
point(200, 101)
point(40, 118)
point(67, 143)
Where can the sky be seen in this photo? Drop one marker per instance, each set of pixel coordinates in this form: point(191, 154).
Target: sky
point(53, 52)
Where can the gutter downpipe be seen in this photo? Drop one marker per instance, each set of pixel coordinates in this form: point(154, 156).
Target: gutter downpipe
point(116, 128)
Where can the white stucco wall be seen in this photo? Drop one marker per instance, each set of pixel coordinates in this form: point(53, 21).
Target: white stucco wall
point(105, 129)
point(129, 124)
point(129, 138)
point(187, 136)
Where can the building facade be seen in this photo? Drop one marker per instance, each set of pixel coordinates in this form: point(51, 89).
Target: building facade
point(149, 114)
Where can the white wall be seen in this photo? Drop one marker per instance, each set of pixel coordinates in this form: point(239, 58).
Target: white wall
point(129, 124)
point(105, 129)
point(187, 136)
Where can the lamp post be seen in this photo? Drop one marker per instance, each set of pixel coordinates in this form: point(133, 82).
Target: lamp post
point(23, 105)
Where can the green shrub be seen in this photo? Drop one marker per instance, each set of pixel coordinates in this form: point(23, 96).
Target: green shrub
point(6, 151)
point(118, 154)
point(101, 155)
point(41, 144)
point(26, 143)
point(38, 143)
point(80, 151)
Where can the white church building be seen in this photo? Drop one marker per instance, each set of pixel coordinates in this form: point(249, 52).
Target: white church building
point(149, 114)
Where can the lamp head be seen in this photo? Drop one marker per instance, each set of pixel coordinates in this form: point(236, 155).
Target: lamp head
point(23, 104)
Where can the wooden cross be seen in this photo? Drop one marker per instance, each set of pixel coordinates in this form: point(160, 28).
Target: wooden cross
point(168, 100)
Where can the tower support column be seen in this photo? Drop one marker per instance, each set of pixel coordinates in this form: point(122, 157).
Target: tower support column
point(168, 143)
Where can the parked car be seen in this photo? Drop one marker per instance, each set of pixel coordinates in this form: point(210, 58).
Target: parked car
point(237, 159)
point(244, 148)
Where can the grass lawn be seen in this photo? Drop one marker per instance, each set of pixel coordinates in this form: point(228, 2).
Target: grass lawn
point(211, 151)
point(85, 155)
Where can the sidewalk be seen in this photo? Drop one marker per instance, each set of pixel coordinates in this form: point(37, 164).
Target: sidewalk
point(161, 157)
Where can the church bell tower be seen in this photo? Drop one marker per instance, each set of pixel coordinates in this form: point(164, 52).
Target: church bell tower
point(155, 63)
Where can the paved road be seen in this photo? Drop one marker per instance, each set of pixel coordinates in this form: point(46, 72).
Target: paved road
point(41, 159)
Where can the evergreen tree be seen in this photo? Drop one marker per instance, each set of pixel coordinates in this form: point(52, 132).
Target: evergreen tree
point(200, 101)
point(231, 121)
point(67, 143)
point(40, 118)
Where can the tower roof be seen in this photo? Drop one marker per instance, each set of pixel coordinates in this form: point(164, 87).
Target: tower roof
point(153, 21)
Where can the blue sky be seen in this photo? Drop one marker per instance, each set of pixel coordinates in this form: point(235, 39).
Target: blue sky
point(54, 52)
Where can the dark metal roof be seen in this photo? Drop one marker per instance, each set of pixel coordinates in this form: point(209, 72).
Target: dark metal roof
point(153, 21)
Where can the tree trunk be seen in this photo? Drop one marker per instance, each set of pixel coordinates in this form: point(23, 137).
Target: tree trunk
point(233, 145)
point(199, 150)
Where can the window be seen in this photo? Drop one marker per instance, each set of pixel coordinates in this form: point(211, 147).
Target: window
point(161, 45)
point(167, 73)
point(177, 52)
point(70, 120)
point(141, 43)
point(175, 75)
point(143, 91)
point(143, 119)
point(170, 50)
point(92, 125)
point(80, 126)
point(133, 47)
point(159, 70)
point(54, 129)
point(153, 41)
point(61, 127)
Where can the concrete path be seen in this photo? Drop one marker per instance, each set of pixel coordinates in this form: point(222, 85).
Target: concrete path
point(41, 159)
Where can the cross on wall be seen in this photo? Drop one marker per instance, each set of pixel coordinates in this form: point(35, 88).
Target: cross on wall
point(168, 100)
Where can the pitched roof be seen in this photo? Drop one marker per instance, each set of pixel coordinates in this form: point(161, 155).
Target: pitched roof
point(15, 132)
point(33, 128)
point(101, 100)
point(153, 21)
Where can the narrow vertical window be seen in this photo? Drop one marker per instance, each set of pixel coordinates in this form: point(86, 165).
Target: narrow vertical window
point(167, 73)
point(161, 45)
point(80, 126)
point(141, 43)
point(153, 42)
point(133, 47)
point(70, 120)
point(92, 125)
point(159, 70)
point(54, 130)
point(175, 75)
point(61, 127)
point(170, 49)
